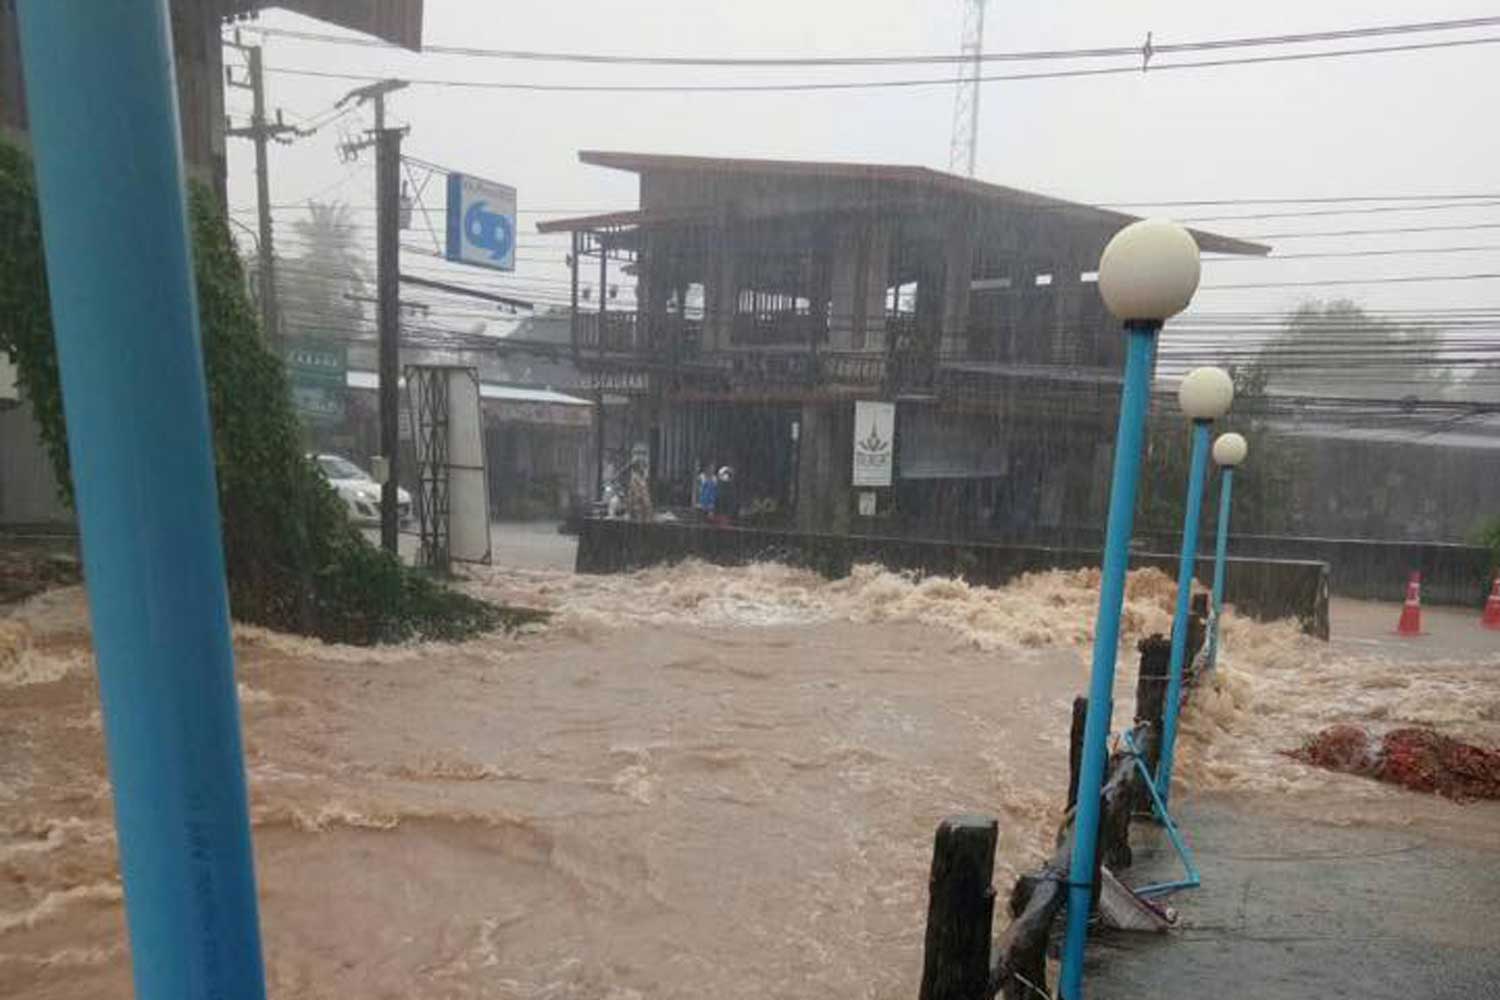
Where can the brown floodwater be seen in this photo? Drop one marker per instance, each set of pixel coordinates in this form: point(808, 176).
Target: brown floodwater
point(696, 782)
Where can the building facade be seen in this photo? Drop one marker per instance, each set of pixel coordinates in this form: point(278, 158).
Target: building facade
point(772, 295)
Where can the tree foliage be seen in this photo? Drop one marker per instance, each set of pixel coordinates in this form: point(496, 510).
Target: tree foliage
point(1336, 348)
point(293, 559)
point(1487, 534)
point(1263, 486)
point(321, 287)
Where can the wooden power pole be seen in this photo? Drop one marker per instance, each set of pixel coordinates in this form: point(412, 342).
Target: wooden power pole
point(388, 285)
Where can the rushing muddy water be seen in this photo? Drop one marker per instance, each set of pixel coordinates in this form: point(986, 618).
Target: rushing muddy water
point(696, 782)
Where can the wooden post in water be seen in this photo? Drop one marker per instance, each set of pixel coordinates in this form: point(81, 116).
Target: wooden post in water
point(1197, 630)
point(960, 910)
point(1151, 692)
point(1075, 746)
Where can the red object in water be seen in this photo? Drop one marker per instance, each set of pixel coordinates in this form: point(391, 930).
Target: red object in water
point(1427, 761)
point(1491, 616)
point(1411, 611)
point(1417, 758)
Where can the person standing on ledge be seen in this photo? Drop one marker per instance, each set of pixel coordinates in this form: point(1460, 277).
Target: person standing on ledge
point(638, 494)
point(726, 499)
point(708, 492)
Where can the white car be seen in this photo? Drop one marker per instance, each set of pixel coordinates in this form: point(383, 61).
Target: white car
point(360, 493)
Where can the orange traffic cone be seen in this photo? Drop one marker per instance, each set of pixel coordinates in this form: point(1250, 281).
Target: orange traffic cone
point(1411, 611)
point(1491, 616)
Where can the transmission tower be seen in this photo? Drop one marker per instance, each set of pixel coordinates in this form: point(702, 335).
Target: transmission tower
point(966, 101)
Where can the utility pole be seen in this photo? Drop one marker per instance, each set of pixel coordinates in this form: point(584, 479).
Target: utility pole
point(387, 281)
point(387, 143)
point(260, 131)
point(375, 94)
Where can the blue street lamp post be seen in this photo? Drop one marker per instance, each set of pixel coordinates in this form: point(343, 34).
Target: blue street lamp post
point(1147, 274)
point(1229, 452)
point(1205, 395)
point(103, 117)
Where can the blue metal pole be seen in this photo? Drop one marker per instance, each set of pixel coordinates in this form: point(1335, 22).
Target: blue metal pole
point(1140, 359)
point(1193, 878)
point(1196, 470)
point(103, 114)
point(1221, 549)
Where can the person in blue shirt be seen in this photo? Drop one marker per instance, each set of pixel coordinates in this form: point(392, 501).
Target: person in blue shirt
point(708, 491)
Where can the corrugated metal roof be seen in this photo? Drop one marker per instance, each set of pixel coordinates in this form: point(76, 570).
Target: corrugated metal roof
point(356, 379)
point(917, 179)
point(624, 218)
point(395, 21)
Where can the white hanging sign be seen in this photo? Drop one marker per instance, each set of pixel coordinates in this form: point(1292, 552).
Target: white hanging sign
point(874, 442)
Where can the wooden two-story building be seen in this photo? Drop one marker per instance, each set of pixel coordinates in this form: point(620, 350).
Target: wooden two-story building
point(770, 295)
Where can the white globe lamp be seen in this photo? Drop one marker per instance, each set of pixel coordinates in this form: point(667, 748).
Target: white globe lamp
point(1230, 450)
point(1206, 393)
point(1149, 271)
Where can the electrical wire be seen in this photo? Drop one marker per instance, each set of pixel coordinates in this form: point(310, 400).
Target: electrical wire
point(1038, 55)
point(1345, 254)
point(1323, 234)
point(742, 88)
point(1366, 210)
point(1402, 279)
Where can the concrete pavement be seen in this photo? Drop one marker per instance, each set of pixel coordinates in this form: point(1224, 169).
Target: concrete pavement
point(1293, 908)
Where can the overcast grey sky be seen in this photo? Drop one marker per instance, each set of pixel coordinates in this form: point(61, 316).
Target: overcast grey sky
point(1409, 123)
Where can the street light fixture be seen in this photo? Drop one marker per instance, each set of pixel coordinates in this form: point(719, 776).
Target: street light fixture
point(1229, 453)
point(1147, 274)
point(1205, 395)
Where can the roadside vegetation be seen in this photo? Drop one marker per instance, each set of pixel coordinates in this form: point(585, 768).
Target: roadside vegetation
point(294, 560)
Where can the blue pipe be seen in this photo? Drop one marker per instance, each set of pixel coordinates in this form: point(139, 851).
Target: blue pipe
point(1193, 878)
point(1196, 470)
point(103, 114)
point(1140, 359)
point(1221, 549)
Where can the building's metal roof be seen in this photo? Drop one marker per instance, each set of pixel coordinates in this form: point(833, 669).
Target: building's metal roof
point(910, 179)
point(395, 21)
point(624, 219)
point(356, 379)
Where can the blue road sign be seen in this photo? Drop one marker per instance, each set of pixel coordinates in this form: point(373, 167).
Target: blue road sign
point(481, 222)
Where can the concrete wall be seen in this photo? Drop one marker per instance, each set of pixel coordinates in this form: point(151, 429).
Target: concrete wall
point(1378, 570)
point(1263, 589)
point(1367, 569)
point(28, 489)
point(1431, 489)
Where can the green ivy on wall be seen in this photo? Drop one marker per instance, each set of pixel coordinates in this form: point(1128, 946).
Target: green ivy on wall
point(294, 561)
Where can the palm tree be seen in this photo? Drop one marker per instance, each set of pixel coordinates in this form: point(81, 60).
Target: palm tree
point(323, 285)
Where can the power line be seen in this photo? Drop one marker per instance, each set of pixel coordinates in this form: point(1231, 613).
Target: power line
point(1365, 210)
point(1301, 200)
point(1355, 281)
point(1037, 55)
point(300, 205)
point(1341, 254)
point(1320, 234)
point(741, 88)
point(291, 207)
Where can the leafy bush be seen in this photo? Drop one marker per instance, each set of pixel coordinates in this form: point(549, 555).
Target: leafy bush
point(1264, 495)
point(1488, 535)
point(293, 559)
